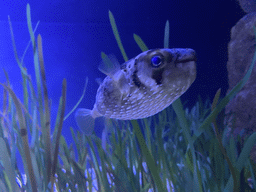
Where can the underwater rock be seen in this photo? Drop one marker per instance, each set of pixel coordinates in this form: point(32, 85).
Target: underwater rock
point(248, 6)
point(241, 111)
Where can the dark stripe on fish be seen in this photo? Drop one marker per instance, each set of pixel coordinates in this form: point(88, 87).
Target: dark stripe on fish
point(135, 77)
point(158, 75)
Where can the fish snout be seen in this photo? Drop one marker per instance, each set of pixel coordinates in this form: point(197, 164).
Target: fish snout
point(185, 55)
point(186, 61)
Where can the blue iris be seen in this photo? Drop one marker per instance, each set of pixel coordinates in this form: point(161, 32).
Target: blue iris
point(156, 61)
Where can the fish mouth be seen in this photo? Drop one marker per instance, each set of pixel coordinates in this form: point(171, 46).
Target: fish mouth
point(186, 60)
point(185, 55)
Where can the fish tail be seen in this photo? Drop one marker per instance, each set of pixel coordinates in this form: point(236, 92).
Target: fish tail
point(85, 120)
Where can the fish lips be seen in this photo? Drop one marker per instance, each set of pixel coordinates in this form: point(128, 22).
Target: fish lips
point(185, 55)
point(186, 59)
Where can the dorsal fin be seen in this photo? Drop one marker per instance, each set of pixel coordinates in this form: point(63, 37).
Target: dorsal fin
point(109, 65)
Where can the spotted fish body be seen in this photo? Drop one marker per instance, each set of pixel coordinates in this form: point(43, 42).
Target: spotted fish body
point(142, 86)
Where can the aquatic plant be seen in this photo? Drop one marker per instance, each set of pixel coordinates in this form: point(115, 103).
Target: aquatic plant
point(179, 150)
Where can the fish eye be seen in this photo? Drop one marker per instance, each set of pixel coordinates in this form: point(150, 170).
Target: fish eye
point(156, 61)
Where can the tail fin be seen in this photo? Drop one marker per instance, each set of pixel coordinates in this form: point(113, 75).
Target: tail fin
point(84, 120)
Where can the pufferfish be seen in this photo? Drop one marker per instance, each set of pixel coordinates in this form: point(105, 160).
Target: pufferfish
point(141, 87)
